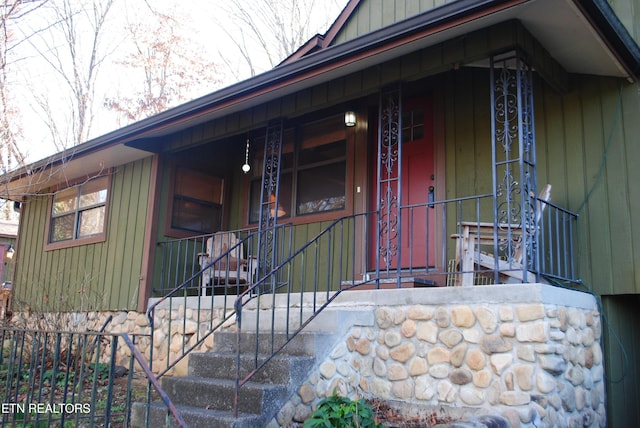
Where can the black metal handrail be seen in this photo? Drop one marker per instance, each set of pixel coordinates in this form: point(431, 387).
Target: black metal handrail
point(208, 309)
point(334, 236)
point(153, 381)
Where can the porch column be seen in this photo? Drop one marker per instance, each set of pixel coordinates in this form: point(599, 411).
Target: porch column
point(514, 162)
point(269, 202)
point(389, 189)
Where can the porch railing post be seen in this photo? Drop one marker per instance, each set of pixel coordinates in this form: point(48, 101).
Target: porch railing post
point(388, 194)
point(269, 201)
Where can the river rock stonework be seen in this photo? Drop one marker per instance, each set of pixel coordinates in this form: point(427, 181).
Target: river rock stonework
point(534, 359)
point(175, 329)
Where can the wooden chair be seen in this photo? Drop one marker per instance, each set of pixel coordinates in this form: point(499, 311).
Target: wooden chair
point(479, 234)
point(5, 299)
point(231, 268)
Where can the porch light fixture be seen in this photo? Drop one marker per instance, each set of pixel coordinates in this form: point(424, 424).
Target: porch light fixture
point(350, 118)
point(9, 253)
point(246, 167)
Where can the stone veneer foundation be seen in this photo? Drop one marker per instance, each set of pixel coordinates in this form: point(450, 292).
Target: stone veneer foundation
point(528, 352)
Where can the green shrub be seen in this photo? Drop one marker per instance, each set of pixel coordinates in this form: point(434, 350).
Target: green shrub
point(342, 412)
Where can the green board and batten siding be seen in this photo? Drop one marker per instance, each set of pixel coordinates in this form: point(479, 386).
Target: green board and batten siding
point(572, 132)
point(375, 14)
point(628, 12)
point(103, 276)
point(586, 148)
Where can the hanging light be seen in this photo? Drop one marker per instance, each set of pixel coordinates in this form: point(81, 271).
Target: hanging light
point(350, 118)
point(246, 167)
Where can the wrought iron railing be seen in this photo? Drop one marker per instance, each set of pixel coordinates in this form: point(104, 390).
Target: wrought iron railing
point(317, 272)
point(439, 243)
point(308, 280)
point(211, 306)
point(179, 261)
point(56, 378)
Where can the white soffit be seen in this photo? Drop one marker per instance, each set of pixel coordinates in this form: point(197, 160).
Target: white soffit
point(87, 166)
point(570, 38)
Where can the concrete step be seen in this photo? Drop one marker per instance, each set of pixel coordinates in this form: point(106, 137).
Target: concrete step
point(205, 397)
point(283, 319)
point(303, 344)
point(282, 370)
point(219, 394)
point(193, 417)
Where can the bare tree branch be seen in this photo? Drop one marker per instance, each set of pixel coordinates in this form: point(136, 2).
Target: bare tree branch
point(173, 68)
point(73, 49)
point(276, 27)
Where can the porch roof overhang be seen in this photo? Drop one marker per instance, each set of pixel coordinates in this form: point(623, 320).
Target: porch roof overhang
point(582, 36)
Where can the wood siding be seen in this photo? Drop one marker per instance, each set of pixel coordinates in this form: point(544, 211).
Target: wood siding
point(586, 141)
point(587, 149)
point(628, 12)
point(622, 354)
point(103, 275)
point(375, 14)
point(342, 91)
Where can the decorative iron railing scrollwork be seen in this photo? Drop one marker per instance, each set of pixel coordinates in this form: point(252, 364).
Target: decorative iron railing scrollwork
point(514, 158)
point(388, 180)
point(270, 197)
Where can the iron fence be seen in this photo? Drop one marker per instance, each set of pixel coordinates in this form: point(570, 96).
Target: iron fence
point(179, 260)
point(73, 379)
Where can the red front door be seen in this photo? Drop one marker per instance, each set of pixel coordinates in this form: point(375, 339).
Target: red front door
point(414, 218)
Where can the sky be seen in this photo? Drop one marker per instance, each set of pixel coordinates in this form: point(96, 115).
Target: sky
point(32, 75)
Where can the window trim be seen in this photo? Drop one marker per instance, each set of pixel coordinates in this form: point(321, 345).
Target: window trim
point(74, 242)
point(173, 232)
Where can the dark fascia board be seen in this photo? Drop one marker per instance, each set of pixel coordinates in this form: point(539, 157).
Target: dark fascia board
point(320, 42)
point(323, 58)
point(312, 45)
point(604, 19)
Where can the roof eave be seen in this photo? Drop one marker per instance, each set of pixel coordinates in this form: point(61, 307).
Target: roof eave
point(273, 81)
point(605, 20)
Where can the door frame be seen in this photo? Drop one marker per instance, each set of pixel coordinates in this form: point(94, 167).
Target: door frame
point(439, 158)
